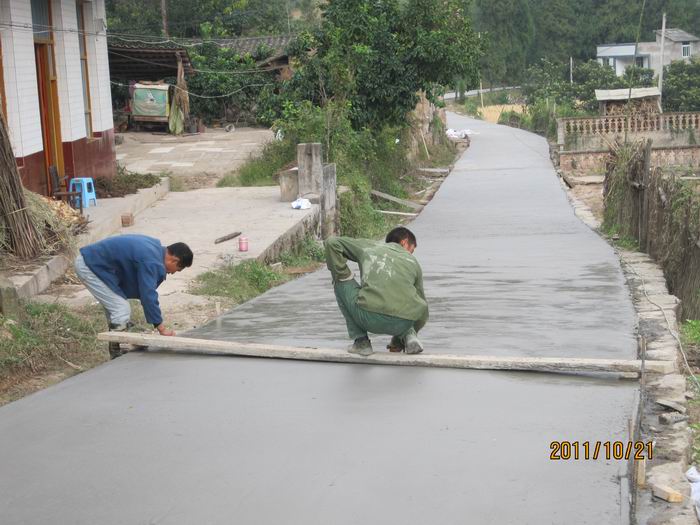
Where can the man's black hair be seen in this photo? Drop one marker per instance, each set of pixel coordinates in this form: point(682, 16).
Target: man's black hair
point(182, 252)
point(399, 234)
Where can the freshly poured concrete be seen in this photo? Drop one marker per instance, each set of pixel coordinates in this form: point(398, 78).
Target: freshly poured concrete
point(172, 439)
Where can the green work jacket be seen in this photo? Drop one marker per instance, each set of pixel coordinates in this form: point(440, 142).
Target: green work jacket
point(391, 278)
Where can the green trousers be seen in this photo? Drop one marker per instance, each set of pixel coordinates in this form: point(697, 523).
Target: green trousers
point(360, 321)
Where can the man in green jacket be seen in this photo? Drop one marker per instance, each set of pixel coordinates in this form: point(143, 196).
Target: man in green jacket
point(391, 298)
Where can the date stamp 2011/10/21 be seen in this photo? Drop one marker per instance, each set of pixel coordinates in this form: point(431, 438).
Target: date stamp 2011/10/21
point(605, 450)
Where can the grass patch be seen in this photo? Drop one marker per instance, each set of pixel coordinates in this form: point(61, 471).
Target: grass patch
point(259, 171)
point(472, 107)
point(248, 279)
point(690, 330)
point(358, 218)
point(49, 336)
point(309, 252)
point(240, 282)
point(441, 155)
point(177, 184)
point(626, 242)
point(124, 183)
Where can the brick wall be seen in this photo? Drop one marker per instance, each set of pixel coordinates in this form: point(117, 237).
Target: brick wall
point(593, 162)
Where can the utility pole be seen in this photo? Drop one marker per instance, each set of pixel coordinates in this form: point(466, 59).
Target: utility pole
point(661, 71)
point(164, 16)
point(481, 86)
point(571, 70)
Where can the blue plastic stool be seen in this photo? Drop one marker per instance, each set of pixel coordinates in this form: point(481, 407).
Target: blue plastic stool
point(86, 187)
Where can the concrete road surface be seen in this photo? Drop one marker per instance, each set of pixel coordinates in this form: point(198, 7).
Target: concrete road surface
point(174, 439)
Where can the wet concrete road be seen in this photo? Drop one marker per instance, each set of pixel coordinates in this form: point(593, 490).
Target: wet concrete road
point(509, 270)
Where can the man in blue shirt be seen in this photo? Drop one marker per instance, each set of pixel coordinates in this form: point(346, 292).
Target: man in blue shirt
point(130, 267)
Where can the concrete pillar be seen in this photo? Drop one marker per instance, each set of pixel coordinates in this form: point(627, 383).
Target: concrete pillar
point(289, 185)
point(310, 164)
point(561, 135)
point(328, 201)
point(9, 300)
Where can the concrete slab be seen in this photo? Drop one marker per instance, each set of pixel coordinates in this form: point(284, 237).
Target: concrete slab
point(182, 440)
point(214, 152)
point(199, 217)
point(175, 439)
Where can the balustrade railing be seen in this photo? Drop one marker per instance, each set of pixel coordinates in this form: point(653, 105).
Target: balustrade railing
point(615, 124)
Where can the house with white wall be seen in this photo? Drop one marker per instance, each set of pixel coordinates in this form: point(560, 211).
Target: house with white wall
point(55, 89)
point(678, 45)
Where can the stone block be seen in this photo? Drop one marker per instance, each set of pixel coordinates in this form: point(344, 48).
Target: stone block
point(9, 299)
point(289, 185)
point(310, 162)
point(127, 220)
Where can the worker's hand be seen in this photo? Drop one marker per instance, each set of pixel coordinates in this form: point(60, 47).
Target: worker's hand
point(162, 330)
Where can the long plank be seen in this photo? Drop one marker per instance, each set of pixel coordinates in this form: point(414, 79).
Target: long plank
point(399, 213)
point(535, 364)
point(403, 202)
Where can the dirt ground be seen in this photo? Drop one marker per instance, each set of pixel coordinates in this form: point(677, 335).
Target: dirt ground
point(592, 195)
point(488, 113)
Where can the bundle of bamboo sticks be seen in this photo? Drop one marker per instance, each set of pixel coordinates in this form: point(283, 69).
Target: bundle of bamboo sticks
point(23, 238)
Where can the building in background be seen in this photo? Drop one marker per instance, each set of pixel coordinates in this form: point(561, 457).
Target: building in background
point(679, 45)
point(55, 89)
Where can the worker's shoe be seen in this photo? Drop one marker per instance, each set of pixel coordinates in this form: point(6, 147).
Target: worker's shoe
point(115, 349)
point(362, 346)
point(413, 344)
point(396, 344)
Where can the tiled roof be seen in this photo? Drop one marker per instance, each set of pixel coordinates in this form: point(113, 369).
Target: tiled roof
point(624, 93)
point(117, 42)
point(250, 45)
point(678, 35)
point(141, 59)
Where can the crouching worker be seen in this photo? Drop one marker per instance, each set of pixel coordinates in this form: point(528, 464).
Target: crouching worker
point(130, 267)
point(390, 299)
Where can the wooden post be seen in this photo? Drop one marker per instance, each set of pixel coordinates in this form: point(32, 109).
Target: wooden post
point(310, 164)
point(644, 199)
point(164, 16)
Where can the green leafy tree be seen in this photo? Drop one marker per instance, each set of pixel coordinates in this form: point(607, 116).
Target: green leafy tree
point(377, 55)
point(681, 88)
point(509, 28)
point(546, 81)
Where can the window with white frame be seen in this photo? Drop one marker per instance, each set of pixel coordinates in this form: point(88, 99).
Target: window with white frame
point(686, 49)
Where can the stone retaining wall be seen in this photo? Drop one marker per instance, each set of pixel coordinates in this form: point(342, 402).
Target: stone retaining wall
point(593, 161)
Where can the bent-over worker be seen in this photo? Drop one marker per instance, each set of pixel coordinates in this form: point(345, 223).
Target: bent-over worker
point(390, 299)
point(130, 267)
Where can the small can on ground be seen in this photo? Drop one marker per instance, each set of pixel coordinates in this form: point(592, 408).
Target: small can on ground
point(243, 243)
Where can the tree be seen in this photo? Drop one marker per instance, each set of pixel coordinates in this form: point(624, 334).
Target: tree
point(681, 89)
point(377, 55)
point(509, 29)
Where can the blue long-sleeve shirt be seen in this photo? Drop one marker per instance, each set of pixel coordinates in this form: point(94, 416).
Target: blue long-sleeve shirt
point(133, 266)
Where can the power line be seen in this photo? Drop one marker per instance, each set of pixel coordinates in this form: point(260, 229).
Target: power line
point(197, 95)
point(131, 37)
point(227, 72)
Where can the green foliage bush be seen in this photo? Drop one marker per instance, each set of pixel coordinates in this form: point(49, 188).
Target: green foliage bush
point(239, 282)
point(548, 81)
point(682, 86)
